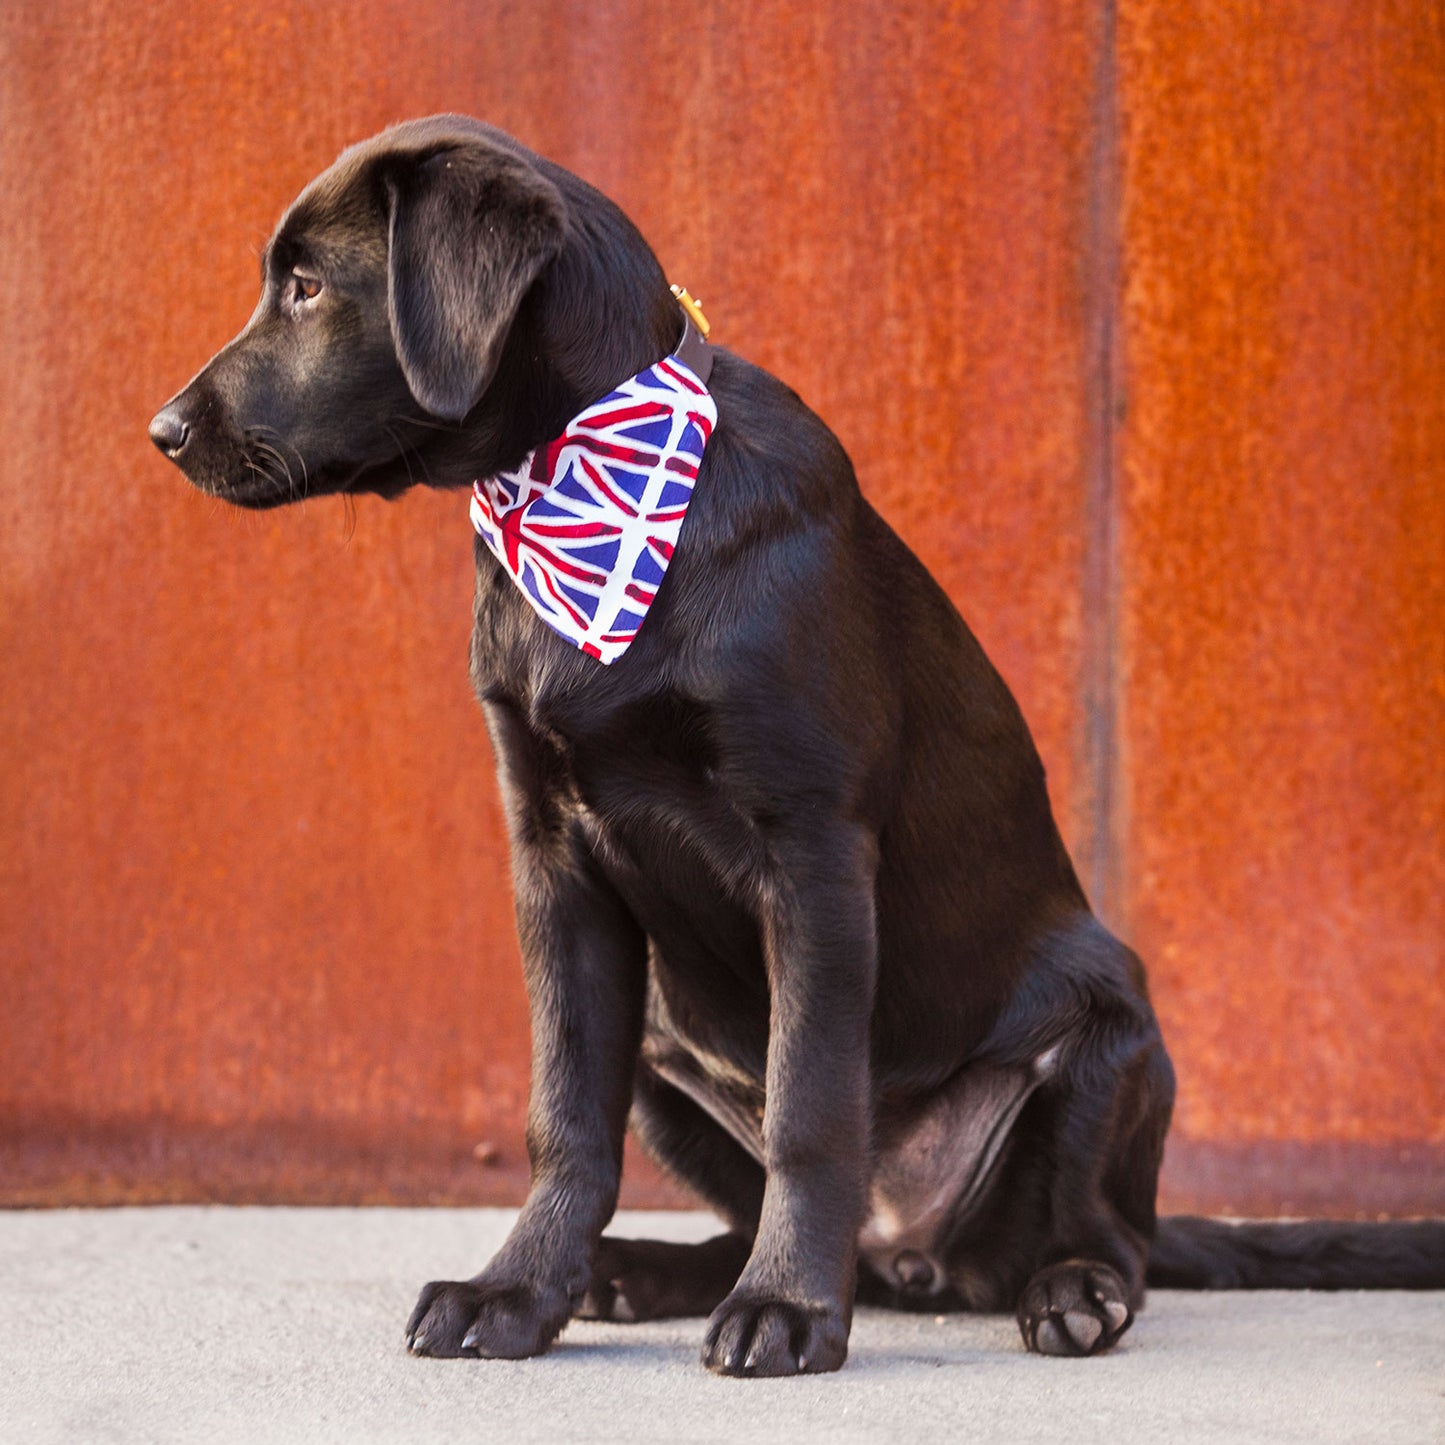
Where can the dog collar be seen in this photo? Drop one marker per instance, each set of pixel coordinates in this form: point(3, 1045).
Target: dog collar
point(586, 525)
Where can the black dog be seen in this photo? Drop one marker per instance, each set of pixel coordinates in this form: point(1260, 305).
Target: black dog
point(788, 885)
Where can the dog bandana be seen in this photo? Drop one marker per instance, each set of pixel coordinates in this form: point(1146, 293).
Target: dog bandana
point(587, 524)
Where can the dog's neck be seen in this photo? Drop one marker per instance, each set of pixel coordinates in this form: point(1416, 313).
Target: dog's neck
point(605, 310)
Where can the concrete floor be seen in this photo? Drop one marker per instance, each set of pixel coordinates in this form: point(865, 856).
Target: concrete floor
point(258, 1325)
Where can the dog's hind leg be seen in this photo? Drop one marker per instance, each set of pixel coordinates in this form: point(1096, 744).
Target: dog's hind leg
point(656, 1279)
point(645, 1279)
point(1063, 1233)
point(1104, 1142)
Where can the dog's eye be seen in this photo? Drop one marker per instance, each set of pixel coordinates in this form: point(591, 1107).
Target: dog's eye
point(304, 288)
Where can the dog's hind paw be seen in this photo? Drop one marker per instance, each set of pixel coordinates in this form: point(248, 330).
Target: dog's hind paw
point(757, 1336)
point(1079, 1307)
point(649, 1279)
point(461, 1318)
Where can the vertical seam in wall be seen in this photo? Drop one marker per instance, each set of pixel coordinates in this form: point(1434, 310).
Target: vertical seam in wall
point(1101, 301)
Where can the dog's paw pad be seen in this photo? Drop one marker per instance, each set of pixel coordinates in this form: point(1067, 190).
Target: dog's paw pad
point(1072, 1333)
point(1076, 1308)
point(758, 1336)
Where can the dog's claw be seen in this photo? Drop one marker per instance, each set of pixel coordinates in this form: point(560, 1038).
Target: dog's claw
point(470, 1318)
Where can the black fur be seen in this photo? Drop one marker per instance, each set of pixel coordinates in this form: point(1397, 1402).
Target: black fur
point(1193, 1253)
point(788, 885)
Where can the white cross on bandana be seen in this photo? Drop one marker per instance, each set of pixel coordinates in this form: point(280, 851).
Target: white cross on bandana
point(587, 524)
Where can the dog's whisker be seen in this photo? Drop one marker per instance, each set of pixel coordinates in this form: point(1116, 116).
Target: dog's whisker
point(407, 450)
point(268, 450)
point(401, 451)
point(259, 470)
point(442, 426)
point(257, 436)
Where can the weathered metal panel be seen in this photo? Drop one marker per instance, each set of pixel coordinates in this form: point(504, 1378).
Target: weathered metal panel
point(256, 923)
point(1137, 344)
point(1283, 653)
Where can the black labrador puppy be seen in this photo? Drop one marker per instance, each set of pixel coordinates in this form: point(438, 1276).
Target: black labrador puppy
point(788, 885)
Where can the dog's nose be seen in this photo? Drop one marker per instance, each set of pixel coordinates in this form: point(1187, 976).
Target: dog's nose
point(170, 432)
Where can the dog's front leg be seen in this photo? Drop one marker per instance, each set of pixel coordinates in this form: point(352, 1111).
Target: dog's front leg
point(791, 1309)
point(585, 962)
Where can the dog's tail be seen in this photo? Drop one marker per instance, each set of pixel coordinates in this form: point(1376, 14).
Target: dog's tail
point(1191, 1253)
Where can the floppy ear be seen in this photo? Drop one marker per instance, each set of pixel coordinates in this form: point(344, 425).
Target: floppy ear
point(470, 229)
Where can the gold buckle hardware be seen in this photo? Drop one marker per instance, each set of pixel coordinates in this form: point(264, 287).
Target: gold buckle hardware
point(693, 309)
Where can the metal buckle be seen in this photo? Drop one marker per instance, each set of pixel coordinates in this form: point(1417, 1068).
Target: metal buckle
point(693, 309)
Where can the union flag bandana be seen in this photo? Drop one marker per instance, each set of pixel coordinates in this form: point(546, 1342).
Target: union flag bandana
point(587, 524)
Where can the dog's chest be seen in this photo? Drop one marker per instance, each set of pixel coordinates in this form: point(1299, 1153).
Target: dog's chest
point(637, 776)
point(678, 846)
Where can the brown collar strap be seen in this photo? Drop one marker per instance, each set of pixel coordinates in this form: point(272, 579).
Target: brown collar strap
point(693, 351)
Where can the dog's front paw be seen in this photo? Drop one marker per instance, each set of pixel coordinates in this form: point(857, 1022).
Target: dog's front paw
point(751, 1334)
point(470, 1317)
point(1079, 1307)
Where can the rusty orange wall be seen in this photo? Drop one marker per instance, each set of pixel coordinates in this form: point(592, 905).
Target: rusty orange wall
point(1152, 297)
point(1282, 575)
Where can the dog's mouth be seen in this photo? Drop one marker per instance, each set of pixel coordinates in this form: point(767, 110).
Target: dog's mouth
point(259, 484)
point(268, 477)
point(257, 494)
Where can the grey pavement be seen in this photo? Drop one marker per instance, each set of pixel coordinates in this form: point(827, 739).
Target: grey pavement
point(257, 1325)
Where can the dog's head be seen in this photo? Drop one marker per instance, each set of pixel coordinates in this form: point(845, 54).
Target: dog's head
point(390, 293)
